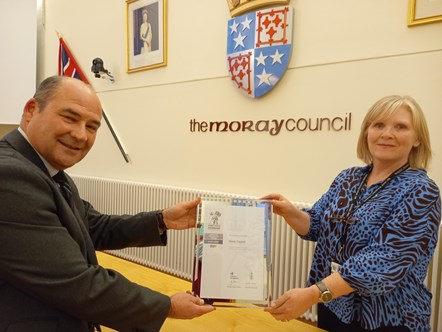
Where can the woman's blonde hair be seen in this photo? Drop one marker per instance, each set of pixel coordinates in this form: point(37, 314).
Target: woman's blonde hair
point(420, 156)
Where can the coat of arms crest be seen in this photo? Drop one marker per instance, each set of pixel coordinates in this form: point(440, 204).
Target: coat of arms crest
point(259, 44)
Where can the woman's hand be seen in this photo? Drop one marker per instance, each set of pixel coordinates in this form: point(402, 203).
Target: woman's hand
point(293, 303)
point(298, 220)
point(281, 205)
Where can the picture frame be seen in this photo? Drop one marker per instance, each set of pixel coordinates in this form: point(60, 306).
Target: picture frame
point(424, 12)
point(232, 259)
point(146, 27)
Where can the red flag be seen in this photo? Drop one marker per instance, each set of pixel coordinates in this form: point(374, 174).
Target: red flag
point(67, 66)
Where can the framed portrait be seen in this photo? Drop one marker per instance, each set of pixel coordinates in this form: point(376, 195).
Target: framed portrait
point(424, 11)
point(146, 34)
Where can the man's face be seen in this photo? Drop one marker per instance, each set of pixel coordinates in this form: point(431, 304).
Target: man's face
point(65, 131)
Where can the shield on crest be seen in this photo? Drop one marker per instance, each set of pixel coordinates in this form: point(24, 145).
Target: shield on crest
point(259, 46)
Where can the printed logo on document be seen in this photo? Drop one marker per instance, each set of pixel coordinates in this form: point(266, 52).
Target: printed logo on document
point(215, 220)
point(213, 234)
point(259, 44)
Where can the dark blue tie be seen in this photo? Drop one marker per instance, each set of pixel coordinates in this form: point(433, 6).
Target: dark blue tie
point(65, 188)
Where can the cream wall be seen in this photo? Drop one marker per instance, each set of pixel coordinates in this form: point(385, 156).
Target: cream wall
point(346, 55)
point(18, 44)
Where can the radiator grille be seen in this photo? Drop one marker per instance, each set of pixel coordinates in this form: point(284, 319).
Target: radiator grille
point(291, 255)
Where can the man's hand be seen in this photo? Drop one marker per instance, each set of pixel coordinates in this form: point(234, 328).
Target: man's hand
point(181, 215)
point(187, 306)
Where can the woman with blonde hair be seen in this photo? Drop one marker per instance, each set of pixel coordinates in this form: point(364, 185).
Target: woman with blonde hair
point(375, 229)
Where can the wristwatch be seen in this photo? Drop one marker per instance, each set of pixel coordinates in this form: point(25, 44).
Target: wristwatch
point(161, 224)
point(325, 295)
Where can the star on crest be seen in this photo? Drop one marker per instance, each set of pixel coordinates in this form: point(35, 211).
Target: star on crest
point(261, 60)
point(234, 27)
point(239, 40)
point(264, 78)
point(246, 23)
point(277, 57)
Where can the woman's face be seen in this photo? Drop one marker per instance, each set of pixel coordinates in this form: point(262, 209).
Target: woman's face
point(144, 17)
point(390, 140)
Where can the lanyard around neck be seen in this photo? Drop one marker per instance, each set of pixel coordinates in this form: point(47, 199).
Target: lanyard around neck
point(354, 204)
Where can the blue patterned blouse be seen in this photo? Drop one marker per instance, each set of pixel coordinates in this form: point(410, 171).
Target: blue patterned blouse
point(387, 250)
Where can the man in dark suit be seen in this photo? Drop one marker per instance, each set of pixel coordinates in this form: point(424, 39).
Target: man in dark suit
point(50, 279)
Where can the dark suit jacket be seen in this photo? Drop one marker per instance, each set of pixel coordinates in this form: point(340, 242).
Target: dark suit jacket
point(49, 277)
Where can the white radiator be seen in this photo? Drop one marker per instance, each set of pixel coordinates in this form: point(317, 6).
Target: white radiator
point(291, 255)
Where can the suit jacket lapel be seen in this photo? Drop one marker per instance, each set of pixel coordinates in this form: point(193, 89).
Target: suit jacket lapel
point(20, 144)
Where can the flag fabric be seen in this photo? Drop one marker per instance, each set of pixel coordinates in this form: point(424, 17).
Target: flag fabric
point(67, 66)
point(259, 46)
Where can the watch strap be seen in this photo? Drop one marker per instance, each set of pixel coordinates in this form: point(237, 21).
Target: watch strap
point(322, 287)
point(325, 295)
point(160, 220)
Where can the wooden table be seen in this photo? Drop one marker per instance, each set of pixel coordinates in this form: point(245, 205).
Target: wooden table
point(221, 320)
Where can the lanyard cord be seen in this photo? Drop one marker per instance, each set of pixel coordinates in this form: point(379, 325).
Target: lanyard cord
point(354, 205)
